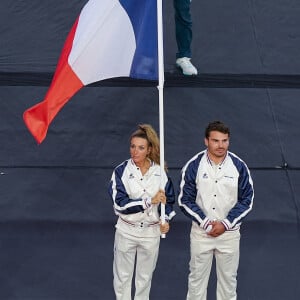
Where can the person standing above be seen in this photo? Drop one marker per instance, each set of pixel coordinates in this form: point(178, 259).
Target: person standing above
point(184, 34)
point(137, 193)
point(216, 192)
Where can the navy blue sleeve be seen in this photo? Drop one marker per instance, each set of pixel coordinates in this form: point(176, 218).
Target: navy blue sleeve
point(188, 192)
point(170, 195)
point(117, 191)
point(245, 194)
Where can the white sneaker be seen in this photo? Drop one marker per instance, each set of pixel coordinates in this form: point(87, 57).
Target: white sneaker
point(186, 66)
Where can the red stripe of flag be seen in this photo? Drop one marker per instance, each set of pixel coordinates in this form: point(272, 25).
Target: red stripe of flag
point(64, 85)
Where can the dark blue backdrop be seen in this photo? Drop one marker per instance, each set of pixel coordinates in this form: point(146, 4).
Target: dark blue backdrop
point(56, 219)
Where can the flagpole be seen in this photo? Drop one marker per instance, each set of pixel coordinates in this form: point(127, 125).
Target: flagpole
point(161, 99)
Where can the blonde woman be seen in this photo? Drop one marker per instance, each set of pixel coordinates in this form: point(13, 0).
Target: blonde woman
point(137, 196)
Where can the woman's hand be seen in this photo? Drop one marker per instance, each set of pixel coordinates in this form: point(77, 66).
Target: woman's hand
point(164, 228)
point(159, 197)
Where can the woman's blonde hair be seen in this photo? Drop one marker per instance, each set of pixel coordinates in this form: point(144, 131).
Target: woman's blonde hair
point(148, 133)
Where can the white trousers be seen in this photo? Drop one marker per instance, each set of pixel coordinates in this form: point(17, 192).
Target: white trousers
point(225, 248)
point(130, 251)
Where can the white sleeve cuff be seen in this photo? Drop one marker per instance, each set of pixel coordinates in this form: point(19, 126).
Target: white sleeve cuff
point(147, 202)
point(204, 224)
point(227, 224)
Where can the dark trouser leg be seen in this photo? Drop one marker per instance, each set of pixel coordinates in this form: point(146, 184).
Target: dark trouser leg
point(183, 27)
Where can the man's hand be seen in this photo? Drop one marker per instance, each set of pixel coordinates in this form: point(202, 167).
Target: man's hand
point(217, 228)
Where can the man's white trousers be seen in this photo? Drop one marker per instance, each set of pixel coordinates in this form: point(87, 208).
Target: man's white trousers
point(225, 248)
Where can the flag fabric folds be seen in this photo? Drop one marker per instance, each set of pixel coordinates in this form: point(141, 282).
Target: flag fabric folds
point(110, 38)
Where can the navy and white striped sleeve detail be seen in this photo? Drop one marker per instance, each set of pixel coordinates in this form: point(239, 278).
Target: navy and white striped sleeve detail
point(117, 191)
point(170, 195)
point(245, 194)
point(188, 192)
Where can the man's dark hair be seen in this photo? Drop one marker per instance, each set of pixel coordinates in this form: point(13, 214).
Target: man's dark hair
point(216, 126)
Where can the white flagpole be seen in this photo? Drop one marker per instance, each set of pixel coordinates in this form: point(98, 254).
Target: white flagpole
point(161, 98)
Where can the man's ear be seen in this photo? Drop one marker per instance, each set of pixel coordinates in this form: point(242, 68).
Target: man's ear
point(206, 142)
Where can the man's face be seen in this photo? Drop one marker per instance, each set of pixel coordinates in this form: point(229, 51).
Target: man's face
point(217, 145)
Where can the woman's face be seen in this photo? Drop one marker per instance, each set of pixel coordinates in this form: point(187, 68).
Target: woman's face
point(139, 149)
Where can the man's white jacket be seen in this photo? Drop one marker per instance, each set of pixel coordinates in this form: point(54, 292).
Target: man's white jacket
point(224, 192)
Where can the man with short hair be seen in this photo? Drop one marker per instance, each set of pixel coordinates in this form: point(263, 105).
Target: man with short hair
point(216, 193)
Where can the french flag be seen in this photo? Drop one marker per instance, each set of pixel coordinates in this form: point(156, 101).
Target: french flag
point(110, 38)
